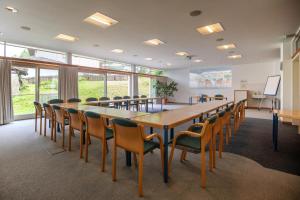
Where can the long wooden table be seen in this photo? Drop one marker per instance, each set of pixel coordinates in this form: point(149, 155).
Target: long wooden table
point(126, 101)
point(168, 120)
point(289, 114)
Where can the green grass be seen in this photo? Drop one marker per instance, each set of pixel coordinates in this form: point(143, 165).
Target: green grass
point(23, 103)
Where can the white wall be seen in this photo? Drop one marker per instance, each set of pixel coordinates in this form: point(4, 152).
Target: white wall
point(256, 75)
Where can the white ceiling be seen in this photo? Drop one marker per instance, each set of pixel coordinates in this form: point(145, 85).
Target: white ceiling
point(255, 26)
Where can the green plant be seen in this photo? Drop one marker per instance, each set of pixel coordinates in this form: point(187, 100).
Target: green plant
point(165, 90)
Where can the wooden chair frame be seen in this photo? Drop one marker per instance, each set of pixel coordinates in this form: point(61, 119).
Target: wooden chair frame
point(38, 114)
point(49, 114)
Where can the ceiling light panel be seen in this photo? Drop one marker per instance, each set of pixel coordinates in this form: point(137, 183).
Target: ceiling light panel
point(197, 60)
point(117, 51)
point(101, 20)
point(226, 46)
point(209, 29)
point(235, 56)
point(65, 37)
point(11, 9)
point(154, 42)
point(148, 59)
point(182, 53)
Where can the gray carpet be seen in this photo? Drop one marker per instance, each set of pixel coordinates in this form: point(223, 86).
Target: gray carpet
point(31, 167)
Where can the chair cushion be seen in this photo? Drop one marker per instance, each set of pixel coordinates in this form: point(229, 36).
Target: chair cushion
point(188, 143)
point(196, 129)
point(109, 133)
point(149, 146)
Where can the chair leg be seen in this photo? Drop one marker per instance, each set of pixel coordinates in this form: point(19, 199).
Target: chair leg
point(41, 124)
point(210, 156)
point(55, 130)
point(35, 123)
point(203, 168)
point(107, 150)
point(52, 130)
point(63, 135)
point(221, 141)
point(170, 159)
point(70, 138)
point(86, 146)
point(114, 163)
point(81, 143)
point(214, 150)
point(103, 155)
point(45, 125)
point(141, 164)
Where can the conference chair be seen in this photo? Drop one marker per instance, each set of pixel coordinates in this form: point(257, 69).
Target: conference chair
point(219, 97)
point(76, 123)
point(217, 131)
point(204, 98)
point(38, 114)
point(226, 122)
point(118, 104)
point(136, 102)
point(60, 119)
point(104, 99)
point(49, 114)
point(195, 140)
point(91, 99)
point(124, 104)
point(55, 101)
point(74, 100)
point(131, 136)
point(236, 116)
point(144, 101)
point(96, 127)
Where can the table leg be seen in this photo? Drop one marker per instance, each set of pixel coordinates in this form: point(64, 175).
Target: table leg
point(275, 131)
point(128, 158)
point(194, 121)
point(166, 154)
point(172, 134)
point(161, 105)
point(151, 130)
point(127, 105)
point(147, 108)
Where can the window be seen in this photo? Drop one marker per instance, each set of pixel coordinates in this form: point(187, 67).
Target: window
point(118, 66)
point(87, 62)
point(210, 79)
point(147, 70)
point(17, 51)
point(48, 88)
point(144, 85)
point(1, 49)
point(90, 85)
point(50, 56)
point(23, 90)
point(117, 85)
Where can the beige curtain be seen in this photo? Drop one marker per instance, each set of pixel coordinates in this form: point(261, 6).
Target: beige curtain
point(6, 108)
point(68, 83)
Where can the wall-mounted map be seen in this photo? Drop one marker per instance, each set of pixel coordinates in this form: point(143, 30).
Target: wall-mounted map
point(210, 79)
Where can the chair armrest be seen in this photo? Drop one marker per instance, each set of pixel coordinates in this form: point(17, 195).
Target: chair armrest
point(153, 135)
point(189, 133)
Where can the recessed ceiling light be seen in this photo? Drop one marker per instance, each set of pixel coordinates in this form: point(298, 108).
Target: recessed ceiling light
point(197, 60)
point(195, 13)
point(209, 29)
point(65, 37)
point(169, 64)
point(117, 51)
point(25, 28)
point(148, 59)
point(226, 46)
point(11, 9)
point(101, 20)
point(182, 53)
point(235, 56)
point(154, 42)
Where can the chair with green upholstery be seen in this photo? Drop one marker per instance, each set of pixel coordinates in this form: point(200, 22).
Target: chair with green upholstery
point(96, 127)
point(90, 99)
point(195, 140)
point(219, 97)
point(204, 98)
point(117, 104)
point(74, 100)
point(131, 137)
point(124, 104)
point(104, 99)
point(60, 118)
point(143, 102)
point(55, 101)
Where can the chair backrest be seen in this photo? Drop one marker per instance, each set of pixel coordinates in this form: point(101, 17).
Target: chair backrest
point(91, 99)
point(219, 97)
point(95, 125)
point(143, 96)
point(117, 97)
point(38, 108)
point(207, 129)
point(203, 98)
point(128, 134)
point(59, 114)
point(74, 100)
point(75, 118)
point(126, 97)
point(48, 111)
point(104, 99)
point(55, 101)
point(136, 96)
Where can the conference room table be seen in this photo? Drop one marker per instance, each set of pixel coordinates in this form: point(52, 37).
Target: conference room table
point(168, 120)
point(127, 102)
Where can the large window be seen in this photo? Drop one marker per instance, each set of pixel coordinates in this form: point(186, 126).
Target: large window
point(118, 66)
point(50, 56)
point(17, 51)
point(87, 62)
point(90, 85)
point(23, 90)
point(48, 87)
point(117, 85)
point(144, 85)
point(210, 79)
point(1, 49)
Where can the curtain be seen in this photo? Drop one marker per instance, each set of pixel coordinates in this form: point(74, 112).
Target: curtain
point(6, 107)
point(68, 83)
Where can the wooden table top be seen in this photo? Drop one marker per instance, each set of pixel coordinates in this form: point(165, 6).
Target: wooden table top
point(292, 114)
point(119, 100)
point(176, 117)
point(105, 112)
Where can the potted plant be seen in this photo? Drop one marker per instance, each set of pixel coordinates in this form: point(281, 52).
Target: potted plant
point(165, 90)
